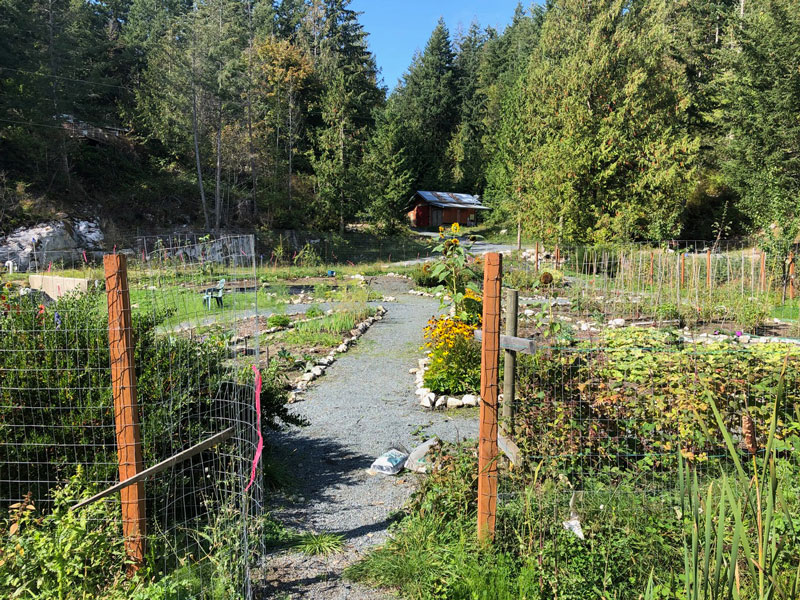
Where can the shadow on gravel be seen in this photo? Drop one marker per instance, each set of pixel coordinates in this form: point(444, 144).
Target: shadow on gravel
point(316, 465)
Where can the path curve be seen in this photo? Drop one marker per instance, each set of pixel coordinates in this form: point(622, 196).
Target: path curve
point(364, 404)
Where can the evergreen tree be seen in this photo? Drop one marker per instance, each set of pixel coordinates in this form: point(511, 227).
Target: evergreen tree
point(466, 146)
point(762, 114)
point(602, 149)
point(427, 104)
point(386, 173)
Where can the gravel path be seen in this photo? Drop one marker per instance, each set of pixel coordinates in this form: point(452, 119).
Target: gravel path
point(364, 404)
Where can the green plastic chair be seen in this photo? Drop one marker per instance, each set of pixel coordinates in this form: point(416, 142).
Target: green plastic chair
point(215, 293)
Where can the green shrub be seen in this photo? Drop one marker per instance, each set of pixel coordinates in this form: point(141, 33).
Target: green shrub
point(278, 320)
point(423, 277)
point(313, 312)
point(62, 554)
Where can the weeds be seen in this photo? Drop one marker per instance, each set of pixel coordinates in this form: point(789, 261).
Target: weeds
point(318, 544)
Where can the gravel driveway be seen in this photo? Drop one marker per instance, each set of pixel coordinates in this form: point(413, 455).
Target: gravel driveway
point(364, 404)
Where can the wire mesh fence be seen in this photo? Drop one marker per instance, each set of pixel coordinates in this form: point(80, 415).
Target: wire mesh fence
point(61, 421)
point(719, 284)
point(618, 386)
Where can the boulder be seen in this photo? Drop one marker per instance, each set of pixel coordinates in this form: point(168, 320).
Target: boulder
point(454, 402)
point(54, 241)
point(428, 400)
point(469, 400)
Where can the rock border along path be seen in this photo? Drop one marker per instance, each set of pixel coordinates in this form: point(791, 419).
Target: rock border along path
point(363, 405)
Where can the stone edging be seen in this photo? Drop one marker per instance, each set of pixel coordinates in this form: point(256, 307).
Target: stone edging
point(428, 399)
point(301, 384)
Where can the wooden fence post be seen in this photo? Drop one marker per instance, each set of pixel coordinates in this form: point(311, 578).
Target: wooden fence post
point(490, 359)
point(652, 258)
point(519, 234)
point(763, 274)
point(510, 364)
point(126, 413)
point(558, 257)
point(791, 275)
point(536, 257)
point(708, 269)
point(683, 268)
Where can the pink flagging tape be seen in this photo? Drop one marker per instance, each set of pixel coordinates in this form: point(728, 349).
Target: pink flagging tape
point(260, 446)
point(84, 257)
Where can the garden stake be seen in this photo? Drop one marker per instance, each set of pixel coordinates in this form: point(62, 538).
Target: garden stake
point(708, 269)
point(490, 359)
point(791, 276)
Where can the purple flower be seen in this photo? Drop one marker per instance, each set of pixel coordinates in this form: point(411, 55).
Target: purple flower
point(738, 334)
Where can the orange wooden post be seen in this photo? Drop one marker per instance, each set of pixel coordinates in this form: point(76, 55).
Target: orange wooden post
point(536, 257)
point(490, 364)
point(558, 257)
point(126, 413)
point(791, 275)
point(763, 273)
point(708, 268)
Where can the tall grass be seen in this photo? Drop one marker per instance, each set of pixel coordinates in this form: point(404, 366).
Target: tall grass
point(742, 539)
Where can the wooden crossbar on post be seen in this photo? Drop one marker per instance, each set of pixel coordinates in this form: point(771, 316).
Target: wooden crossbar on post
point(490, 365)
point(510, 363)
point(126, 411)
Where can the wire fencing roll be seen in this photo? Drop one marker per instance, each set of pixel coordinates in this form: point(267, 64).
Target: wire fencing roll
point(193, 306)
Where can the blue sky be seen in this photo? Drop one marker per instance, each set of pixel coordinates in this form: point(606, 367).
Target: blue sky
point(398, 28)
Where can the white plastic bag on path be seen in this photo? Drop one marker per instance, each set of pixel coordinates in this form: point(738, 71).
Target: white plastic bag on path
point(419, 459)
point(390, 462)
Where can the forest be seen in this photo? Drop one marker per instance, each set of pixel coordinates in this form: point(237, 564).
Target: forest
point(585, 121)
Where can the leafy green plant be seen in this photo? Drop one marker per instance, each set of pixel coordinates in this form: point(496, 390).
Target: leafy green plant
point(278, 320)
point(741, 539)
point(62, 554)
point(313, 312)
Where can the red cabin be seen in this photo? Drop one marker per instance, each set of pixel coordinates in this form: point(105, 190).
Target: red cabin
point(432, 209)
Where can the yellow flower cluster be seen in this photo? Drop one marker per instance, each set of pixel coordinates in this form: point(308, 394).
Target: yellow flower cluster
point(469, 294)
point(455, 228)
point(444, 332)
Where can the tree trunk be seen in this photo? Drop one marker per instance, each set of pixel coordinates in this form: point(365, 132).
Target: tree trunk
point(196, 134)
point(217, 186)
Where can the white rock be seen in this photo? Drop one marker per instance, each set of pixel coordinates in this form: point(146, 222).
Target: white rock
point(528, 312)
point(616, 323)
point(423, 391)
point(318, 371)
point(469, 400)
point(428, 400)
point(412, 371)
point(308, 377)
point(342, 348)
point(441, 401)
point(454, 403)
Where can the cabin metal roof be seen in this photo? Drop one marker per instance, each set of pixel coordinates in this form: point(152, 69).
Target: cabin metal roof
point(452, 200)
